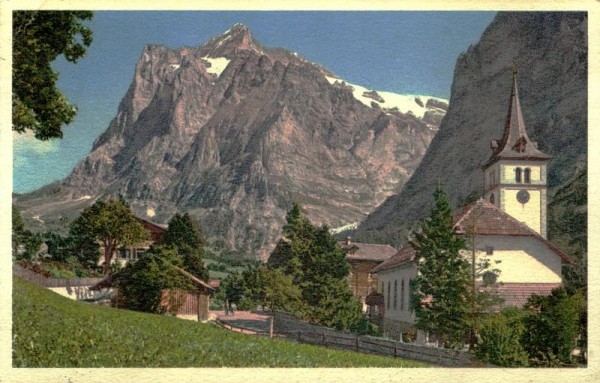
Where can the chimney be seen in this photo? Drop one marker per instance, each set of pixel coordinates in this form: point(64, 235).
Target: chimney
point(348, 240)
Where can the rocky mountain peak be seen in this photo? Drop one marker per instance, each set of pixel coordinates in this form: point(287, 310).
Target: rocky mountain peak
point(231, 42)
point(232, 133)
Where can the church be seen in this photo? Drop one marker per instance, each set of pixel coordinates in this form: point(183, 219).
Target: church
point(507, 225)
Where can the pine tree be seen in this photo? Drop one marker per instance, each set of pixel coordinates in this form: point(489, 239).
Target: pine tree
point(185, 236)
point(317, 264)
point(440, 293)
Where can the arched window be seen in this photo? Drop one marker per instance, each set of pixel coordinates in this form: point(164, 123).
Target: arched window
point(492, 199)
point(402, 296)
point(395, 294)
point(527, 175)
point(388, 295)
point(518, 172)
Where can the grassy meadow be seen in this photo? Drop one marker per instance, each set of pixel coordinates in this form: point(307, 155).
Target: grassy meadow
point(53, 331)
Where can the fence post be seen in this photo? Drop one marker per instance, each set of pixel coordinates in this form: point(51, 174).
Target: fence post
point(324, 343)
point(395, 351)
point(357, 343)
point(299, 337)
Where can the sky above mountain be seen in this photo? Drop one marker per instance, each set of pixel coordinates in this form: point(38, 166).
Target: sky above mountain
point(400, 52)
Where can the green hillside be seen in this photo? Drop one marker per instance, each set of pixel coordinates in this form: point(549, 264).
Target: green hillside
point(53, 331)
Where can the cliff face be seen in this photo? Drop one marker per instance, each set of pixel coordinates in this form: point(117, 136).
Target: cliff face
point(550, 51)
point(233, 133)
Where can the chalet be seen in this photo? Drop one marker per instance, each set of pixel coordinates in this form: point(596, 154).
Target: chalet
point(507, 225)
point(134, 252)
point(194, 304)
point(363, 257)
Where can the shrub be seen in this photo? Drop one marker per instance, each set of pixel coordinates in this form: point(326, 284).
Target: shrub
point(499, 339)
point(141, 284)
point(553, 326)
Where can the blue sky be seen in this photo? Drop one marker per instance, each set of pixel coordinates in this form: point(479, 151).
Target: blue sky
point(402, 52)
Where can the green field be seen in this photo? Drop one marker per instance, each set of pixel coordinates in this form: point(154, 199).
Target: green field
point(53, 331)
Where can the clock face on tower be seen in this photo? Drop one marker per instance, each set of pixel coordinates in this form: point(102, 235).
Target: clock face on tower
point(523, 196)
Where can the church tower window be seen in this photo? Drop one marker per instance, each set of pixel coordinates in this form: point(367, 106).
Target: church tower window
point(527, 175)
point(518, 177)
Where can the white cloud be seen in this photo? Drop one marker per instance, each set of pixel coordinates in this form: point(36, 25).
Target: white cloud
point(26, 144)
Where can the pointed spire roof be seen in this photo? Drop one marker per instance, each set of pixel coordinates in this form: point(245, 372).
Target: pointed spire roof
point(515, 143)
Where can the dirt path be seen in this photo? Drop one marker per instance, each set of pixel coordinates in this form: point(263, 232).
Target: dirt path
point(260, 321)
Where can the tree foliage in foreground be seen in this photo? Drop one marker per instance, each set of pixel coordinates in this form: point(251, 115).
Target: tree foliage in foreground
point(113, 224)
point(440, 291)
point(554, 325)
point(39, 37)
point(499, 339)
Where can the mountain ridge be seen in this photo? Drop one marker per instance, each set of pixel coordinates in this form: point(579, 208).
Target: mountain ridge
point(550, 50)
point(233, 133)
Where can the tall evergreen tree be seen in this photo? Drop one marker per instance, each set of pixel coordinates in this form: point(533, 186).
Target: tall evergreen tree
point(440, 290)
point(317, 264)
point(185, 236)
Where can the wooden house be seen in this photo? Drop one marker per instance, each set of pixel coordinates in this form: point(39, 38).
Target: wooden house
point(125, 254)
point(192, 304)
point(363, 257)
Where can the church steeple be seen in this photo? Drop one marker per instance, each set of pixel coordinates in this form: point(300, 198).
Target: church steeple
point(515, 143)
point(515, 174)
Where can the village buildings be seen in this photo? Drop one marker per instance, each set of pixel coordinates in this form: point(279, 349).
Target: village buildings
point(363, 257)
point(508, 225)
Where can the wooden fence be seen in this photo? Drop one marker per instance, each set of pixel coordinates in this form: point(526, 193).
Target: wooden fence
point(371, 345)
point(52, 282)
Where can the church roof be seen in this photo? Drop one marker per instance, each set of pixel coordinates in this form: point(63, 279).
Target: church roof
point(485, 219)
point(515, 143)
point(367, 251)
point(517, 294)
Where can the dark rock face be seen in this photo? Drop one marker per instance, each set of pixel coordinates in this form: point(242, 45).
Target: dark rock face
point(233, 133)
point(550, 51)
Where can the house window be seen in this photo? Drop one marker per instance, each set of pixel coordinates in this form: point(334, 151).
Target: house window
point(124, 253)
point(518, 178)
point(388, 295)
point(489, 250)
point(527, 175)
point(139, 253)
point(492, 199)
point(402, 296)
point(382, 288)
point(395, 294)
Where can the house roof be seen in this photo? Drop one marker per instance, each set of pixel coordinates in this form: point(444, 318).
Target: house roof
point(110, 280)
point(517, 294)
point(515, 143)
point(406, 254)
point(367, 251)
point(484, 219)
point(156, 231)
